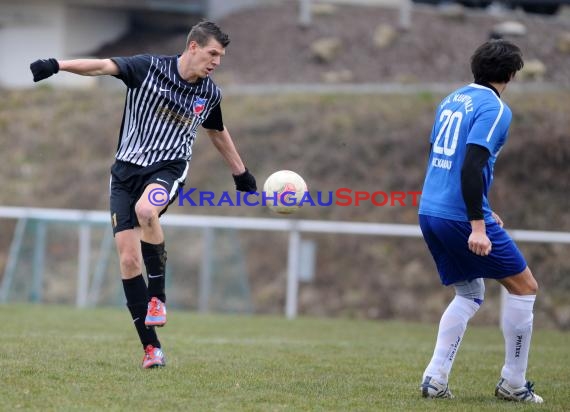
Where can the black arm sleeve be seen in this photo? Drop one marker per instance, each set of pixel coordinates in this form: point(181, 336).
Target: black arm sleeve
point(472, 180)
point(214, 120)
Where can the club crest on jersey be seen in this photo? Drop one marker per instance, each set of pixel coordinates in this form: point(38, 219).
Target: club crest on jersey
point(198, 105)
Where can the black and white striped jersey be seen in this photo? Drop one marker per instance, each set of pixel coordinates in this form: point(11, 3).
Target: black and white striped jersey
point(163, 111)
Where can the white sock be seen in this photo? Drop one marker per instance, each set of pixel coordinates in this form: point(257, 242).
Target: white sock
point(517, 330)
point(451, 329)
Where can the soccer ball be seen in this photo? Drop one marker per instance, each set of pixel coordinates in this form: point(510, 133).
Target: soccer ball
point(290, 188)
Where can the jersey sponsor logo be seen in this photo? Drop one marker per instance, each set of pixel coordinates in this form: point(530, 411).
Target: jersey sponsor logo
point(198, 105)
point(165, 113)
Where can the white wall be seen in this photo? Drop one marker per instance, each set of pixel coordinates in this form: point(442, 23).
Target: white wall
point(87, 29)
point(40, 29)
point(27, 32)
point(64, 29)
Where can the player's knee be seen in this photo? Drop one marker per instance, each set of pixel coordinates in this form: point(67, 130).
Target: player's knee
point(473, 290)
point(535, 287)
point(521, 284)
point(531, 287)
point(130, 264)
point(146, 213)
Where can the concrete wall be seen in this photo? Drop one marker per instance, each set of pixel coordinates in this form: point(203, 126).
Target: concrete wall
point(87, 29)
point(39, 29)
point(219, 8)
point(65, 29)
point(27, 32)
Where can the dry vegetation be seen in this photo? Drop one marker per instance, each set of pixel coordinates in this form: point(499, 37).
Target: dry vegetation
point(58, 147)
point(269, 46)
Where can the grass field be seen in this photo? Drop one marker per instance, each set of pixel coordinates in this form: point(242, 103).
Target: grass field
point(58, 358)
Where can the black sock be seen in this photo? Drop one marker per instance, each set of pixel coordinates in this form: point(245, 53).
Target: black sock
point(154, 257)
point(137, 302)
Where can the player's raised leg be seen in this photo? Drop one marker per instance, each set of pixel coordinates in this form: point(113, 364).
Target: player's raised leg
point(153, 251)
point(517, 322)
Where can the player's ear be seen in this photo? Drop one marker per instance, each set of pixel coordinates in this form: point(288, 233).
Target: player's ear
point(192, 46)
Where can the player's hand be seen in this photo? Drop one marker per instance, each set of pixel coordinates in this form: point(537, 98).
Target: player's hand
point(497, 219)
point(245, 182)
point(479, 243)
point(44, 68)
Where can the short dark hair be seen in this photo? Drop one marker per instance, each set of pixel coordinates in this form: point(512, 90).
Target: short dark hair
point(496, 61)
point(202, 32)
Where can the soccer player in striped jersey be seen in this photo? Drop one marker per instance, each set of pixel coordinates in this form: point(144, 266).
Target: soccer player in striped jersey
point(465, 237)
point(168, 97)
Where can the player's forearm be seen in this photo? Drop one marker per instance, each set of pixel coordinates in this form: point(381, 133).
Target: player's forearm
point(478, 226)
point(223, 142)
point(89, 67)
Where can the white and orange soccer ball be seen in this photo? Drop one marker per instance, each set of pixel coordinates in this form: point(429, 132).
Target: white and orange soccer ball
point(284, 190)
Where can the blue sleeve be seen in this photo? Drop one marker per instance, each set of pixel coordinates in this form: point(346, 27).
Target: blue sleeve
point(490, 127)
point(133, 70)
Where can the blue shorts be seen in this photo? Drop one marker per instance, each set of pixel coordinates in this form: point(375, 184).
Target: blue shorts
point(447, 242)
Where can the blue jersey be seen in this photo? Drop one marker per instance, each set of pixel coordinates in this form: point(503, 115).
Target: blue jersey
point(472, 114)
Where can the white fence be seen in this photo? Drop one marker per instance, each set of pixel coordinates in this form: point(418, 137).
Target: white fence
point(294, 227)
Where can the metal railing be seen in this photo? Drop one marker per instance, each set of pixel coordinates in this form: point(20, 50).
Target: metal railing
point(85, 219)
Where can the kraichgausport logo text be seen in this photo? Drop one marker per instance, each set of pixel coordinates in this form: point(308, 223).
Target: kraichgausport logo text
point(343, 197)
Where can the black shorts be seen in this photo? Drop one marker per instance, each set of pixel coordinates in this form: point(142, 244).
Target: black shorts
point(128, 182)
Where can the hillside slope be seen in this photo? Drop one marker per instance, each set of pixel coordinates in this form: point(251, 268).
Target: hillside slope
point(58, 145)
point(268, 45)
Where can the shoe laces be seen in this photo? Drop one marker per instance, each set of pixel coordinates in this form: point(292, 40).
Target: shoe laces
point(149, 351)
point(155, 307)
point(530, 387)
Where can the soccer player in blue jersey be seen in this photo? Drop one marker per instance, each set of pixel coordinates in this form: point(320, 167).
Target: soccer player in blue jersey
point(168, 97)
point(465, 237)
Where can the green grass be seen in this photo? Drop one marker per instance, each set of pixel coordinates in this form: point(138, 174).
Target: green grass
point(57, 358)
